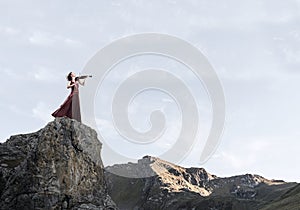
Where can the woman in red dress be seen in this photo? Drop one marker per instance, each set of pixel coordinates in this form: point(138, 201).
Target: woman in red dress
point(71, 106)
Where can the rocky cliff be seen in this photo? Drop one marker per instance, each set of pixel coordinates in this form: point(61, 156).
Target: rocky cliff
point(174, 187)
point(57, 167)
point(60, 167)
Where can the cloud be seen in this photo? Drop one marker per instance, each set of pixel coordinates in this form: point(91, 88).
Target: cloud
point(42, 39)
point(10, 73)
point(16, 110)
point(251, 44)
point(45, 74)
point(42, 112)
point(72, 42)
point(245, 155)
point(47, 39)
point(292, 56)
point(7, 30)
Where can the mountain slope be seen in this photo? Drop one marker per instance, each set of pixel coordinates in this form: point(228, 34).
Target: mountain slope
point(290, 200)
point(168, 186)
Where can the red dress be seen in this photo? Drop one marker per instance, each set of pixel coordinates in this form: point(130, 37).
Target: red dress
point(71, 107)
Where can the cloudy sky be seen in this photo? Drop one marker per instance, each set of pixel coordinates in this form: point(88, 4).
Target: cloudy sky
point(254, 47)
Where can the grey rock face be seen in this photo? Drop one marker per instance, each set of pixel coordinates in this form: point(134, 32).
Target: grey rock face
point(57, 167)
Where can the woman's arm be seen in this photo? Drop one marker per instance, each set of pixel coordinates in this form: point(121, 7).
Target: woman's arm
point(81, 82)
point(70, 85)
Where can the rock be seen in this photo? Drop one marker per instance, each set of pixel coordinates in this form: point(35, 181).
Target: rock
point(57, 167)
point(60, 167)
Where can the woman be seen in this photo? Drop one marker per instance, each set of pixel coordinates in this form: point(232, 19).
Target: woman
point(71, 106)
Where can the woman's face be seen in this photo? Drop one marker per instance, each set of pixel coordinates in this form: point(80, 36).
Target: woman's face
point(73, 74)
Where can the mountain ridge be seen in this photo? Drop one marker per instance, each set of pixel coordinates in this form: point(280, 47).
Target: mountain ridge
point(169, 186)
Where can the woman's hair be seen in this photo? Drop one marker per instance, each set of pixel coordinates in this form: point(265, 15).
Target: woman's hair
point(69, 77)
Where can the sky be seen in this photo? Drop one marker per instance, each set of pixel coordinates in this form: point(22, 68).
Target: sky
point(253, 46)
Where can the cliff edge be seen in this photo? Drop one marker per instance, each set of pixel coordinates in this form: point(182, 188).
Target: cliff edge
point(57, 167)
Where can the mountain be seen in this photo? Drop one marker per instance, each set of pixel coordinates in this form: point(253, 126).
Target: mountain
point(57, 167)
point(60, 167)
point(289, 200)
point(169, 186)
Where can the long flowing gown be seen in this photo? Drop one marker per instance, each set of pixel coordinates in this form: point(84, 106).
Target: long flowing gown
point(71, 106)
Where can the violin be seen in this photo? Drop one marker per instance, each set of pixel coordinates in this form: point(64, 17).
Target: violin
point(82, 77)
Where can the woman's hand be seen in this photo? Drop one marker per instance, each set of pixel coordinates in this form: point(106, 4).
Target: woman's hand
point(70, 85)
